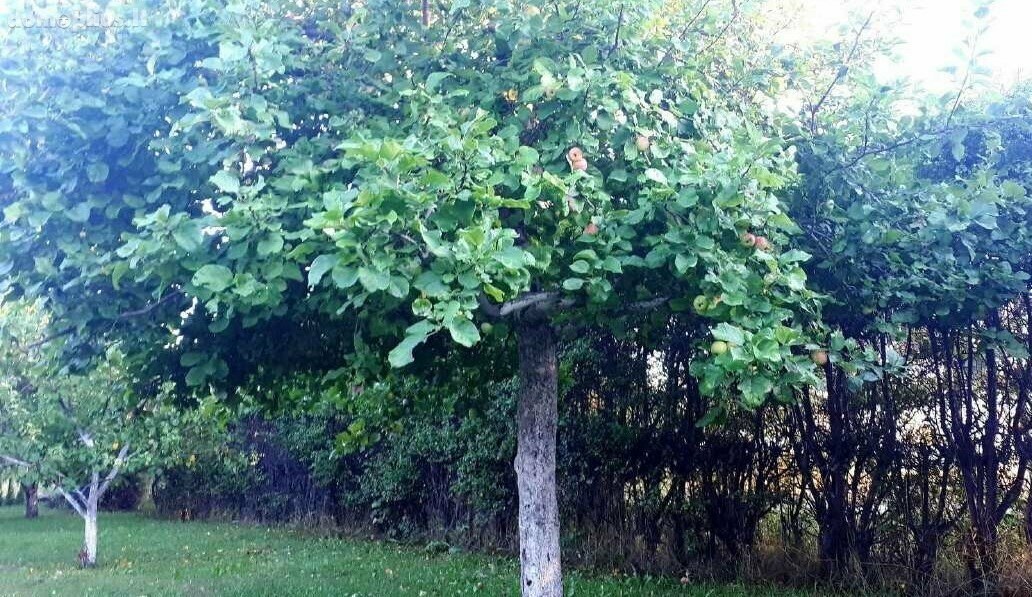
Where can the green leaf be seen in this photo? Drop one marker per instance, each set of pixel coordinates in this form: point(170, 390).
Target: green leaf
point(231, 52)
point(729, 333)
point(415, 335)
point(573, 283)
point(754, 390)
point(683, 262)
point(213, 277)
point(794, 255)
point(435, 79)
point(226, 181)
point(97, 172)
point(430, 283)
point(581, 267)
point(344, 277)
point(273, 243)
point(463, 331)
point(188, 235)
point(321, 265)
point(190, 359)
point(494, 292)
point(655, 176)
point(527, 156)
point(196, 376)
point(80, 213)
point(716, 414)
point(373, 280)
point(511, 257)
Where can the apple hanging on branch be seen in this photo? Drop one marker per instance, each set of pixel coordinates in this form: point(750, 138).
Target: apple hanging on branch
point(576, 159)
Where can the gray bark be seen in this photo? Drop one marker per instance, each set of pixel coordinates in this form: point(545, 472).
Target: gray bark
point(537, 420)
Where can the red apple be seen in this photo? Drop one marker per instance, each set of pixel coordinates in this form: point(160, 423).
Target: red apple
point(762, 243)
point(642, 143)
point(748, 239)
point(819, 357)
point(591, 228)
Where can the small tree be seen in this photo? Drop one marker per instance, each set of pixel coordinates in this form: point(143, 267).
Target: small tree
point(84, 429)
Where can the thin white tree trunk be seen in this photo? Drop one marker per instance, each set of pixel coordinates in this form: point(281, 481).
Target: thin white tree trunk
point(90, 539)
point(537, 421)
point(90, 542)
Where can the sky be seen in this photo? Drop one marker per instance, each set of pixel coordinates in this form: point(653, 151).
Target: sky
point(931, 29)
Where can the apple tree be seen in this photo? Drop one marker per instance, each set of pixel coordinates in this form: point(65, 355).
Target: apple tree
point(75, 432)
point(408, 171)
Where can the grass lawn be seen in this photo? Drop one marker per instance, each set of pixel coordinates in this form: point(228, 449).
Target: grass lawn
point(142, 556)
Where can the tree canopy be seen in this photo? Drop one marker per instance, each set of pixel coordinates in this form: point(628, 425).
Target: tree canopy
point(401, 177)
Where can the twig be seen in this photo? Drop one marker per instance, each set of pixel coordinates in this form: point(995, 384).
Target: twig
point(684, 31)
point(720, 36)
point(843, 69)
point(616, 38)
point(150, 306)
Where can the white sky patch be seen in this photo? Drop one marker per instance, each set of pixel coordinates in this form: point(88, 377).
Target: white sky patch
point(933, 28)
point(930, 32)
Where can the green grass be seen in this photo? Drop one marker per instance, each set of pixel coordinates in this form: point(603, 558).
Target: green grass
point(142, 556)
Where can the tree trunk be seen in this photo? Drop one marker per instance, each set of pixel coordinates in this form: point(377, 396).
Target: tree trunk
point(537, 420)
point(89, 548)
point(90, 542)
point(1028, 515)
point(31, 491)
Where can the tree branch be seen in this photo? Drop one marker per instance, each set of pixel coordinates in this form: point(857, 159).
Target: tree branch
point(616, 38)
point(85, 438)
point(49, 338)
point(123, 315)
point(551, 301)
point(15, 461)
point(542, 301)
point(71, 500)
point(843, 69)
point(720, 36)
point(150, 306)
point(115, 469)
point(684, 31)
point(651, 303)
